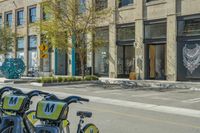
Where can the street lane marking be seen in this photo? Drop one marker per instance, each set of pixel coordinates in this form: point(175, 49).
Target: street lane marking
point(136, 105)
point(144, 117)
point(195, 100)
point(107, 91)
point(147, 95)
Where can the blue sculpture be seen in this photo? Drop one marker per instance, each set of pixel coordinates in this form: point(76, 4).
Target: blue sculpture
point(13, 68)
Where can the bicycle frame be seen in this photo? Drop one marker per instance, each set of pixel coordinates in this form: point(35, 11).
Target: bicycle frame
point(16, 121)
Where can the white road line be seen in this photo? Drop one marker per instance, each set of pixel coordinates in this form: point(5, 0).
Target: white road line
point(106, 91)
point(115, 93)
point(163, 98)
point(147, 95)
point(136, 105)
point(195, 100)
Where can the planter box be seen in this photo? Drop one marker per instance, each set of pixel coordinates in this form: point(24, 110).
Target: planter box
point(64, 83)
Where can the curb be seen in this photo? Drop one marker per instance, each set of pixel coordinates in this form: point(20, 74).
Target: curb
point(148, 84)
point(61, 84)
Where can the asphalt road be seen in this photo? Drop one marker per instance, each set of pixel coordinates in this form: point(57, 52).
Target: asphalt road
point(133, 111)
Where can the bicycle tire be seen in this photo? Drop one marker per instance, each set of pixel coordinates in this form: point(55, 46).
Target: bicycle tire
point(7, 129)
point(88, 127)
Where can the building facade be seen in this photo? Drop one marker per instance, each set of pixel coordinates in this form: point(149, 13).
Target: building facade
point(157, 39)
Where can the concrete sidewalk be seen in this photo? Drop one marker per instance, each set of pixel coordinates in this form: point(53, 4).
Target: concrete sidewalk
point(147, 84)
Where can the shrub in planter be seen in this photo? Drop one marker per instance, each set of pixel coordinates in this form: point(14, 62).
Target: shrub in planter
point(64, 79)
point(48, 80)
point(60, 79)
point(69, 78)
point(54, 80)
point(78, 79)
point(91, 77)
point(39, 80)
point(73, 78)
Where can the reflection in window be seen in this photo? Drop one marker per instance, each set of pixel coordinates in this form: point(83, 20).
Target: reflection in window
point(20, 54)
point(82, 6)
point(32, 14)
point(189, 27)
point(32, 59)
point(150, 0)
point(20, 43)
point(101, 59)
point(32, 41)
point(154, 31)
point(20, 17)
point(20, 48)
point(125, 2)
point(101, 4)
point(0, 21)
point(9, 19)
point(126, 33)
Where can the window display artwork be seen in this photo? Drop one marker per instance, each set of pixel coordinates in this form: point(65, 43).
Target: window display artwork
point(191, 57)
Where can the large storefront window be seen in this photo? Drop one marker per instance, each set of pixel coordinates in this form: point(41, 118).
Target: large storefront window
point(20, 48)
point(33, 59)
point(125, 50)
point(32, 47)
point(188, 58)
point(101, 57)
point(155, 47)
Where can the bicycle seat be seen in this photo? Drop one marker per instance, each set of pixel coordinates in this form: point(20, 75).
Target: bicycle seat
point(84, 114)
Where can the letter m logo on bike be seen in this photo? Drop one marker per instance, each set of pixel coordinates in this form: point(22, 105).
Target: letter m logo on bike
point(49, 108)
point(13, 101)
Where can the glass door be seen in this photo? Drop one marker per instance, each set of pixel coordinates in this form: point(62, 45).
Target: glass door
point(156, 61)
point(125, 61)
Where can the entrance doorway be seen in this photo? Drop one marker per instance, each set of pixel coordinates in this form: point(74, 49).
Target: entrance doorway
point(125, 61)
point(60, 62)
point(156, 61)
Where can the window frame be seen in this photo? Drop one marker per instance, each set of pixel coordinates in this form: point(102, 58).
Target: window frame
point(32, 17)
point(1, 20)
point(7, 22)
point(125, 41)
point(29, 42)
point(121, 5)
point(19, 48)
point(101, 7)
point(20, 21)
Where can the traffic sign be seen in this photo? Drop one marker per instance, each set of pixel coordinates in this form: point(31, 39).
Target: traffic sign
point(44, 56)
point(43, 47)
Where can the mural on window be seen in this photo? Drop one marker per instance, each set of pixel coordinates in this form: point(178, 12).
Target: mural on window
point(191, 57)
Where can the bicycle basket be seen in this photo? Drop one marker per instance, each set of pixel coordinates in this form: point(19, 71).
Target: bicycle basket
point(50, 110)
point(14, 103)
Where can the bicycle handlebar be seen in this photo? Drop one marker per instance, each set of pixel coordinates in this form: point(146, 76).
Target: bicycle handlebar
point(68, 100)
point(32, 93)
point(7, 88)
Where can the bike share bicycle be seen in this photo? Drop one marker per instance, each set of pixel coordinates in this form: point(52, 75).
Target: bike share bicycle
point(54, 111)
point(17, 104)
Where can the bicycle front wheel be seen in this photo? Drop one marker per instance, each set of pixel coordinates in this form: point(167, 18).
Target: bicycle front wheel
point(7, 129)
